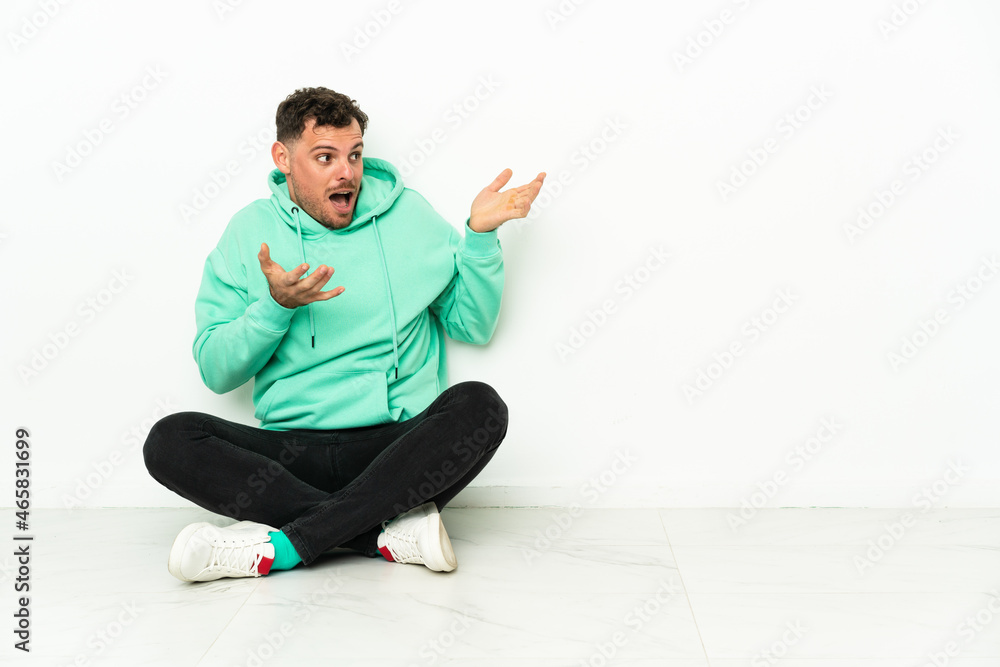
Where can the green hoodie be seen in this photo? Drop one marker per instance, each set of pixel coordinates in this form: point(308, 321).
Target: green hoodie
point(376, 353)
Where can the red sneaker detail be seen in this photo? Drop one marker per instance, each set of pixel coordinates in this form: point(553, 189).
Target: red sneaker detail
point(265, 565)
point(385, 552)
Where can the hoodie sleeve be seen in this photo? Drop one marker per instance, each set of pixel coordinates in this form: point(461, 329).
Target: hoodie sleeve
point(470, 306)
point(235, 338)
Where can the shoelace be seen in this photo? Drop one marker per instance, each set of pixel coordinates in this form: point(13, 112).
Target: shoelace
point(239, 557)
point(402, 545)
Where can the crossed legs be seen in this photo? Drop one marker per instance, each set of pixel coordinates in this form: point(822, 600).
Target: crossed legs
point(327, 489)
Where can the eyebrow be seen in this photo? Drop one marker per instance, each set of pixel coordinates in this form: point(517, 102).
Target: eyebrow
point(325, 147)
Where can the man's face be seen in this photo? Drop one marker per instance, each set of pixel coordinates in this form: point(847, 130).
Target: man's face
point(324, 168)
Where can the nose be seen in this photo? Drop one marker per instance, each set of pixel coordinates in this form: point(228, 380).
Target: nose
point(344, 171)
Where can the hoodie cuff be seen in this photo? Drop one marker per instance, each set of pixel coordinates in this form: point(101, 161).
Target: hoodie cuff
point(480, 245)
point(270, 314)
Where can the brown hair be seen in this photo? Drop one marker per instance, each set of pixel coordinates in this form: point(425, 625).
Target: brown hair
point(326, 106)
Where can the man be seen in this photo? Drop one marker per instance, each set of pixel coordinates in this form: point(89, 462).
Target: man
point(361, 441)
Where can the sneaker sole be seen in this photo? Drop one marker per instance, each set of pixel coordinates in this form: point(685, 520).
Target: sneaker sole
point(439, 535)
point(177, 550)
point(446, 550)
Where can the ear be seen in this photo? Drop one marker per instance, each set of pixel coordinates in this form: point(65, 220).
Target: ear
point(282, 157)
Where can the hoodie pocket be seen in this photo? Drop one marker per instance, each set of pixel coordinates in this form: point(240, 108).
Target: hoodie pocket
point(326, 400)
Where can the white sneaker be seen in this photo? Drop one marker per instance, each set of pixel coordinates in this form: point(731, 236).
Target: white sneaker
point(203, 552)
point(418, 536)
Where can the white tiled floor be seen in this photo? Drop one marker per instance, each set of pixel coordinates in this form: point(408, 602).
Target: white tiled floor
point(535, 587)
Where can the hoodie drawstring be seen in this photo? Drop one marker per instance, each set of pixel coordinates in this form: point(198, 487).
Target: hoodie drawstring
point(302, 252)
point(388, 288)
point(385, 276)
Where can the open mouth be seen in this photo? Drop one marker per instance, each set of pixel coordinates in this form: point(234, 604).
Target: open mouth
point(342, 201)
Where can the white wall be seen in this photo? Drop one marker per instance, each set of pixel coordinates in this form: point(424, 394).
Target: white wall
point(663, 133)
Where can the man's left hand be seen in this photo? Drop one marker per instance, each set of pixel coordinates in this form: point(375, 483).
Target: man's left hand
point(491, 208)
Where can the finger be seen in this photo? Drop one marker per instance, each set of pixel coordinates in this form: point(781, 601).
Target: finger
point(524, 204)
point(276, 271)
point(536, 187)
point(500, 180)
point(326, 296)
point(267, 265)
point(316, 280)
point(296, 273)
point(527, 193)
point(516, 205)
point(537, 183)
point(316, 295)
point(288, 278)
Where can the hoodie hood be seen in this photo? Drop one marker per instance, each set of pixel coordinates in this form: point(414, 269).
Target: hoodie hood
point(381, 185)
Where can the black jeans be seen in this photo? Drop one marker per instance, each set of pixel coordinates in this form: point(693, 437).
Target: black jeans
point(327, 489)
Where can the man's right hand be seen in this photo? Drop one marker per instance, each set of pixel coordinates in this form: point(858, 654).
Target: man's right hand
point(288, 288)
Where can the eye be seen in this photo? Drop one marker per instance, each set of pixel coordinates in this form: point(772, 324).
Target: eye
point(356, 156)
point(323, 157)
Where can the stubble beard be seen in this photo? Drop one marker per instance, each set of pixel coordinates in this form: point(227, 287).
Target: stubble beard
point(314, 207)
